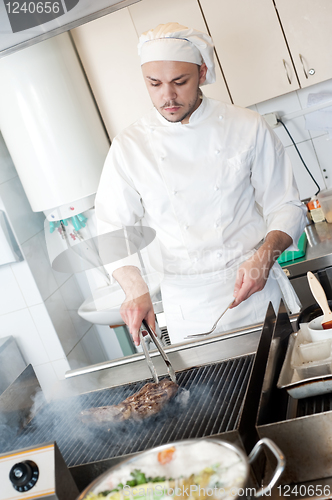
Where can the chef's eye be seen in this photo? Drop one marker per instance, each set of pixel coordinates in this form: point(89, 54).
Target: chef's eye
point(155, 84)
point(180, 83)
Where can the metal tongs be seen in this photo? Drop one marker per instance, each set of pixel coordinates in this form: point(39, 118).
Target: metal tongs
point(155, 340)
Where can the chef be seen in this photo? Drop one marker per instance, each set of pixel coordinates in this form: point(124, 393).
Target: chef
point(214, 182)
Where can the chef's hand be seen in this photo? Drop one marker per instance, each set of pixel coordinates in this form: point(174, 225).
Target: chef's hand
point(251, 277)
point(254, 272)
point(137, 304)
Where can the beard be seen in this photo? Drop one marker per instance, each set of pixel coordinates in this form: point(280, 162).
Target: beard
point(191, 105)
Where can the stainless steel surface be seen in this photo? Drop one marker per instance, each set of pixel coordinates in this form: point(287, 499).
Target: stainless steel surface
point(305, 439)
point(279, 467)
point(158, 345)
point(11, 362)
point(242, 347)
point(319, 251)
point(147, 356)
point(214, 326)
point(16, 402)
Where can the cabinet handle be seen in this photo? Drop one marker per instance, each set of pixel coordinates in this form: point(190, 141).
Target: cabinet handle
point(304, 70)
point(288, 77)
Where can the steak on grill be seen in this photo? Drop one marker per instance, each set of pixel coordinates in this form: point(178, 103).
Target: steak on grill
point(146, 402)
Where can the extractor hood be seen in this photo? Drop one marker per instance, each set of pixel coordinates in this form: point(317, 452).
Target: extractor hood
point(24, 23)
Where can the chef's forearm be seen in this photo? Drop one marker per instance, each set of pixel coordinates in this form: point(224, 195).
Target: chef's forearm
point(131, 281)
point(275, 243)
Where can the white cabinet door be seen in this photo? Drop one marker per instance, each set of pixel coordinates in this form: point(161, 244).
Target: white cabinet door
point(308, 28)
point(148, 14)
point(107, 48)
point(251, 48)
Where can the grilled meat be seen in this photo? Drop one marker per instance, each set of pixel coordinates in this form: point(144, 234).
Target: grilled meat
point(146, 402)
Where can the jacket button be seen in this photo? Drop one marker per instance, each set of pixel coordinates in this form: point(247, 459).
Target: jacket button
point(216, 188)
point(220, 117)
point(186, 228)
point(219, 254)
point(174, 193)
point(217, 151)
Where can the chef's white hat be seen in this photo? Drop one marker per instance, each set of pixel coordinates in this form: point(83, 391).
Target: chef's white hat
point(173, 42)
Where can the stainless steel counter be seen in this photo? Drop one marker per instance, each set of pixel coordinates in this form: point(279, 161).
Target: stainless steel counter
point(319, 251)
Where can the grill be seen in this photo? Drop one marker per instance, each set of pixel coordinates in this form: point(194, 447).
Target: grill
point(219, 387)
point(313, 405)
point(209, 402)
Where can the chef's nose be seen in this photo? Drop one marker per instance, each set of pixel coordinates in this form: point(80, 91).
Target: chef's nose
point(169, 93)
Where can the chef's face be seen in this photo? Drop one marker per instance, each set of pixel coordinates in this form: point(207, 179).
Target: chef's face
point(174, 87)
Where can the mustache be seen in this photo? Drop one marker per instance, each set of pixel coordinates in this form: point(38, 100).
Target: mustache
point(171, 104)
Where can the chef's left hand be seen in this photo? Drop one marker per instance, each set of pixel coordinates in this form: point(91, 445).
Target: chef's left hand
point(251, 277)
point(254, 272)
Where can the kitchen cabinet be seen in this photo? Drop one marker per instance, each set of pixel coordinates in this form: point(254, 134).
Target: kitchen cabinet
point(148, 14)
point(251, 49)
point(307, 27)
point(108, 51)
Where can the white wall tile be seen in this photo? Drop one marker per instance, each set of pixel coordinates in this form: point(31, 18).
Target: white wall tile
point(47, 332)
point(47, 378)
point(25, 222)
point(62, 321)
point(11, 298)
point(60, 278)
point(93, 346)
point(61, 366)
point(323, 148)
point(27, 283)
point(109, 341)
point(283, 105)
point(7, 168)
point(78, 357)
point(83, 284)
point(314, 89)
point(21, 326)
point(305, 184)
point(253, 108)
point(34, 252)
point(73, 298)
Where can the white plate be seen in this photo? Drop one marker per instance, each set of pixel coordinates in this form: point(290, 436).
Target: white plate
point(289, 379)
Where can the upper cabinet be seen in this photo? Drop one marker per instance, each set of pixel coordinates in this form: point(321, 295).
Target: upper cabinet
point(108, 50)
point(251, 49)
point(148, 14)
point(308, 29)
point(264, 48)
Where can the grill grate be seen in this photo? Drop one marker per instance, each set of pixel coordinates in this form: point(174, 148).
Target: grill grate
point(209, 402)
point(315, 404)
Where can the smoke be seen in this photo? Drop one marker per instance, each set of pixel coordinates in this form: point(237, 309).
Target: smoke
point(195, 411)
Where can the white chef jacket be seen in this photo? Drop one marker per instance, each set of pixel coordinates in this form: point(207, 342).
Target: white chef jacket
point(212, 189)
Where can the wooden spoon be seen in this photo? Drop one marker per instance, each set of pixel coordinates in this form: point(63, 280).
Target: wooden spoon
point(320, 297)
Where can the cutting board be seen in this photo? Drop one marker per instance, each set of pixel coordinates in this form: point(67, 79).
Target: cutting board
point(288, 256)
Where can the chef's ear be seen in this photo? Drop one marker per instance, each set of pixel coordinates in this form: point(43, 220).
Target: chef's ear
point(202, 73)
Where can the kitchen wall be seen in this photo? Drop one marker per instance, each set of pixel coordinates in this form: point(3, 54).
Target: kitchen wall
point(315, 146)
point(38, 306)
